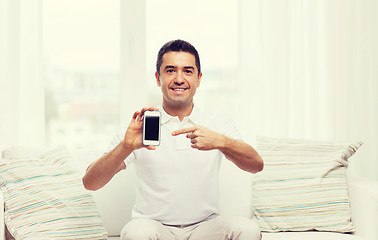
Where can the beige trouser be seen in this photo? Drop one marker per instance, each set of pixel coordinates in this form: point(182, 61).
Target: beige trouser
point(218, 228)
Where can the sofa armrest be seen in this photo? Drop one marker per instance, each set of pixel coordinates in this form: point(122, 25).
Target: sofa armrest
point(364, 207)
point(2, 223)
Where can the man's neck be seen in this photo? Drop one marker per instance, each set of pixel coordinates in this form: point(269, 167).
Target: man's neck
point(181, 111)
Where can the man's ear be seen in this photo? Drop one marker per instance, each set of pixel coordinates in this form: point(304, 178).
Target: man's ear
point(199, 80)
point(157, 76)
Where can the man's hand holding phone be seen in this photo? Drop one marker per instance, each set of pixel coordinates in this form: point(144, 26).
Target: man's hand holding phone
point(134, 133)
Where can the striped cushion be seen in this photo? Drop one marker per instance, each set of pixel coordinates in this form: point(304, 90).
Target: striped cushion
point(303, 185)
point(45, 199)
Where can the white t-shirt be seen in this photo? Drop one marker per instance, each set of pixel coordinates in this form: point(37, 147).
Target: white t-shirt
point(177, 184)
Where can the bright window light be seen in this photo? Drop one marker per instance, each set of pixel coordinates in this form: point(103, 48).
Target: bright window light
point(81, 59)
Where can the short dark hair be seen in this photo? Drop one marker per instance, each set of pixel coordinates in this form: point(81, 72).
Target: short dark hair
point(177, 46)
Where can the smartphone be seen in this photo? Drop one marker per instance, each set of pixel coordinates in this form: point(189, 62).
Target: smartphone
point(151, 128)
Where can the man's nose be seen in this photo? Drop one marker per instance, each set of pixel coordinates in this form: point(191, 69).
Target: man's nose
point(179, 77)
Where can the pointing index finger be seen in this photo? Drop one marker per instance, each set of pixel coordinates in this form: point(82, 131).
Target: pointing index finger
point(184, 130)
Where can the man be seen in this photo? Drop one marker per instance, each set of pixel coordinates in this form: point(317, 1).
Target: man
point(177, 186)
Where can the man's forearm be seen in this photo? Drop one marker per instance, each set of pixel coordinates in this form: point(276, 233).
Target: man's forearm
point(102, 171)
point(242, 155)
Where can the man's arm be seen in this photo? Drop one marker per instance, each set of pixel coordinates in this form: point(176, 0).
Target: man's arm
point(102, 171)
point(240, 153)
point(243, 155)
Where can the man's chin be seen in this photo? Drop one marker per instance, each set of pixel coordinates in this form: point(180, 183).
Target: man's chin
point(177, 102)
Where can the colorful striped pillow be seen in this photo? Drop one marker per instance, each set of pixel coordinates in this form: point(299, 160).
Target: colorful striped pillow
point(45, 199)
point(303, 186)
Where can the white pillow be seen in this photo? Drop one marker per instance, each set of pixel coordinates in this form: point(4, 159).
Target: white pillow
point(45, 199)
point(16, 152)
point(303, 185)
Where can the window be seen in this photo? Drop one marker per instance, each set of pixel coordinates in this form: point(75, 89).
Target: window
point(81, 50)
point(81, 61)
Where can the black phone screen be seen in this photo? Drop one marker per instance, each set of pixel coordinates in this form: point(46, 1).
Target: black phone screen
point(152, 128)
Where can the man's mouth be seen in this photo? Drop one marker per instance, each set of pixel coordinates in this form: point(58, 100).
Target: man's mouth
point(178, 89)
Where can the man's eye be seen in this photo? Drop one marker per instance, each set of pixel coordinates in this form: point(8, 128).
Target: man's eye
point(188, 71)
point(170, 71)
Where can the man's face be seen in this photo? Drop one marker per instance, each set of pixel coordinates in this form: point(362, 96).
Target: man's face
point(178, 78)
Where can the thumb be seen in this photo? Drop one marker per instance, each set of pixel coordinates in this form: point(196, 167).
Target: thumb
point(150, 147)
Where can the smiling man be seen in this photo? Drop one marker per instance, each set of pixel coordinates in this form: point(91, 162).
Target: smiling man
point(177, 192)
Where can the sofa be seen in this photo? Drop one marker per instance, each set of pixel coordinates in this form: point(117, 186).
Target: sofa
point(115, 201)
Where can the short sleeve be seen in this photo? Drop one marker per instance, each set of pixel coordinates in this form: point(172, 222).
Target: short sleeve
point(225, 126)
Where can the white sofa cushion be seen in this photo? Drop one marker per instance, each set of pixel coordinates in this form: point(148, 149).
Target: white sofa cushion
point(303, 185)
point(45, 199)
point(311, 235)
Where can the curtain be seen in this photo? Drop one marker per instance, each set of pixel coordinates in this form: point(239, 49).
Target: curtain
point(133, 59)
point(309, 72)
point(22, 90)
